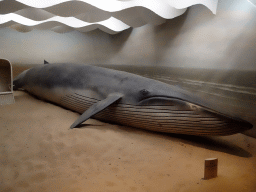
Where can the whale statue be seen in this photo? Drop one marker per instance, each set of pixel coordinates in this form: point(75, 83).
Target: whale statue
point(127, 99)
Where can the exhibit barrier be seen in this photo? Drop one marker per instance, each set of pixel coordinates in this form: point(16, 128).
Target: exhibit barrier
point(6, 85)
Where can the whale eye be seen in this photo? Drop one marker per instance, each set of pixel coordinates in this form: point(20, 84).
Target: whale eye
point(144, 92)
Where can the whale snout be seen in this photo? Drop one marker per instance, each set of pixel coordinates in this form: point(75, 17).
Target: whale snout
point(246, 125)
point(223, 124)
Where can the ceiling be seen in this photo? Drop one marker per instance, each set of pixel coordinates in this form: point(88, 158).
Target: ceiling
point(111, 16)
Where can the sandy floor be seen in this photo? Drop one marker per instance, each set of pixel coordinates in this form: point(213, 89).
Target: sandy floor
point(40, 153)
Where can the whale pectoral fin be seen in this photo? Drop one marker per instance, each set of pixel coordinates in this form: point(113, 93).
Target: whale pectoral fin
point(96, 108)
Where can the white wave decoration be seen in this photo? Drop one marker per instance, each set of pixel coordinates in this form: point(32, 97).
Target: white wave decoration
point(114, 25)
point(117, 5)
point(111, 16)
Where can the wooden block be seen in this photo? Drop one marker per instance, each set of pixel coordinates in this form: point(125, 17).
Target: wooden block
point(210, 168)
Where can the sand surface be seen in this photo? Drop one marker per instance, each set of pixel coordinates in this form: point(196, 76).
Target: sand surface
point(40, 153)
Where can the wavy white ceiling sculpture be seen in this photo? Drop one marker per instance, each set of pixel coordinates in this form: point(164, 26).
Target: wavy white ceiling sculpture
point(111, 16)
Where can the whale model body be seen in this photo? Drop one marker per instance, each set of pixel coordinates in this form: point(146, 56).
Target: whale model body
point(127, 99)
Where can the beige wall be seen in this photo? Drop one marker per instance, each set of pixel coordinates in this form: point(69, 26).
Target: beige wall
point(196, 39)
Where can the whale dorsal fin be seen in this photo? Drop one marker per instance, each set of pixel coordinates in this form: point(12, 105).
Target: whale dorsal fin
point(96, 108)
point(46, 62)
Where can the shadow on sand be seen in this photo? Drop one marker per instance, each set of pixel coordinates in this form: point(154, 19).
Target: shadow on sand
point(215, 143)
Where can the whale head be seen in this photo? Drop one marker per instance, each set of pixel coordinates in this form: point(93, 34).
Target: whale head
point(176, 110)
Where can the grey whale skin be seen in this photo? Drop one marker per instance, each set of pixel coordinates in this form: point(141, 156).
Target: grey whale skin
point(126, 99)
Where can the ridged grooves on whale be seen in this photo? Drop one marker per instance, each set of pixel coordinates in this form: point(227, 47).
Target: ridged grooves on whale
point(162, 118)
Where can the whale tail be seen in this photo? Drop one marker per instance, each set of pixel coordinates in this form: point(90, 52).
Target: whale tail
point(19, 81)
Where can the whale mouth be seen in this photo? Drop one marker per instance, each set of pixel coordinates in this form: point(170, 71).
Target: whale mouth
point(203, 114)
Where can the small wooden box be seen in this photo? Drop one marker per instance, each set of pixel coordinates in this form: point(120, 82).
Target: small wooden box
point(210, 168)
